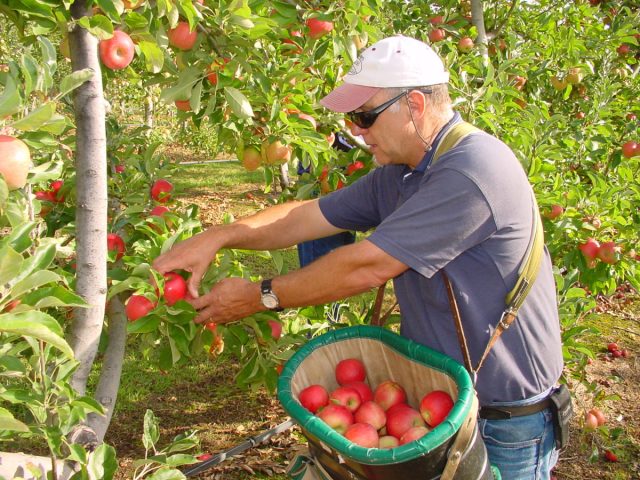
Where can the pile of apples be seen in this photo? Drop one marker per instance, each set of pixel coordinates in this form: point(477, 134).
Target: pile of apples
point(378, 418)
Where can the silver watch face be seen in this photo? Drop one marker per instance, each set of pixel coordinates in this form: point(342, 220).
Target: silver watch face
point(269, 300)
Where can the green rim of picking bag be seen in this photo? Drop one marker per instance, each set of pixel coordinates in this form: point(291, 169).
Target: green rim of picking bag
point(407, 349)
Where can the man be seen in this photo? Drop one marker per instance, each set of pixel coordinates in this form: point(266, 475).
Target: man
point(470, 214)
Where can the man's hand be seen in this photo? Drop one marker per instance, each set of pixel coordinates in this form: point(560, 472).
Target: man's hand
point(230, 299)
point(193, 255)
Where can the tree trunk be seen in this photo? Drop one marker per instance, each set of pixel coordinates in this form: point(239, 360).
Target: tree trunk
point(91, 207)
point(109, 383)
point(477, 18)
point(285, 182)
point(18, 465)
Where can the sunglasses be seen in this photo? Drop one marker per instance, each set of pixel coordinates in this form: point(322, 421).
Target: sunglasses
point(368, 118)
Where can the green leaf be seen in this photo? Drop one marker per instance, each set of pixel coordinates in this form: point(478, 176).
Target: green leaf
point(74, 80)
point(146, 324)
point(239, 103)
point(151, 433)
point(8, 422)
point(10, 264)
point(37, 325)
point(10, 101)
point(98, 25)
point(187, 79)
point(35, 280)
point(164, 474)
point(153, 55)
point(36, 118)
point(19, 238)
point(102, 462)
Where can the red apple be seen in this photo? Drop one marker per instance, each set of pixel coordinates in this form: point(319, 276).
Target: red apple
point(354, 167)
point(314, 397)
point(388, 394)
point(308, 118)
point(623, 49)
point(347, 397)
point(276, 329)
point(161, 190)
point(183, 105)
point(117, 52)
point(401, 418)
point(519, 82)
point(631, 117)
point(137, 307)
point(437, 35)
point(350, 370)
point(554, 212)
point(119, 168)
point(372, 413)
point(630, 149)
point(610, 456)
point(55, 187)
point(388, 441)
point(435, 406)
point(363, 389)
point(15, 161)
point(362, 434)
point(437, 20)
point(182, 36)
point(612, 346)
point(414, 433)
point(175, 288)
point(465, 44)
point(336, 416)
point(580, 115)
point(590, 421)
point(599, 416)
point(158, 211)
point(115, 243)
point(607, 252)
point(318, 28)
point(590, 248)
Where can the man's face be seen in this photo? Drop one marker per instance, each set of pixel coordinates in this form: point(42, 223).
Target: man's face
point(387, 137)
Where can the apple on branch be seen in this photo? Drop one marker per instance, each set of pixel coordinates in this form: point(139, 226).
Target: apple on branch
point(117, 52)
point(15, 161)
point(161, 190)
point(182, 37)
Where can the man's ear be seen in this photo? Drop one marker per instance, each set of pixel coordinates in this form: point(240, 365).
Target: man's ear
point(417, 103)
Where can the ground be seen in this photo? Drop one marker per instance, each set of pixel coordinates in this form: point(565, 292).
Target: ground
point(226, 416)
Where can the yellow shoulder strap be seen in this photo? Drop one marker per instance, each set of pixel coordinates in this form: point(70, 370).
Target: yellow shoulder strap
point(453, 137)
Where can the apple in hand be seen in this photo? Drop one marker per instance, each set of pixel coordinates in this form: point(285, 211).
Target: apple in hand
point(117, 52)
point(314, 397)
point(175, 288)
point(15, 161)
point(336, 416)
point(350, 370)
point(347, 397)
point(435, 406)
point(137, 307)
point(388, 394)
point(362, 434)
point(161, 190)
point(115, 243)
point(182, 36)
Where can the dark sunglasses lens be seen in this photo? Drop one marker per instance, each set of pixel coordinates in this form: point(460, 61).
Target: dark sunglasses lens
point(363, 119)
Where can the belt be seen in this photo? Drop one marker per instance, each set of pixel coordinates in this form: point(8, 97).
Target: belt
point(505, 412)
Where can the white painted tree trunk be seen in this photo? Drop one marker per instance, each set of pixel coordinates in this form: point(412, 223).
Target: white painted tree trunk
point(29, 467)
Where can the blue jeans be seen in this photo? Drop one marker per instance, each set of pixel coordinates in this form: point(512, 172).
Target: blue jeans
point(522, 448)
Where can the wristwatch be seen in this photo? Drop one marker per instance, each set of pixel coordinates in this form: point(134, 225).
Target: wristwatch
point(268, 298)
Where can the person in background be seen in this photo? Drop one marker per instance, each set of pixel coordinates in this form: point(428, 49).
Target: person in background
point(470, 214)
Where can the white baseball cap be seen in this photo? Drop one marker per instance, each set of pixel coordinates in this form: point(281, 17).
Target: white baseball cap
point(397, 61)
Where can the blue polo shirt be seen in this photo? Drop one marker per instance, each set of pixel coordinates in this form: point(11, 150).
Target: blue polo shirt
point(469, 213)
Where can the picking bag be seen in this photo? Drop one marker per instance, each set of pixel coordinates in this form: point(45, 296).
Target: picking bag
point(386, 356)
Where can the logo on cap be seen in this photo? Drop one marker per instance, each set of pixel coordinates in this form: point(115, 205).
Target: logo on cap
point(356, 68)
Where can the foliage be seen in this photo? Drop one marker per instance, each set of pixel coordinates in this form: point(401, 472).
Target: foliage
point(559, 93)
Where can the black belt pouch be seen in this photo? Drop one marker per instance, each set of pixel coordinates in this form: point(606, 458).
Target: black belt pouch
point(562, 412)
